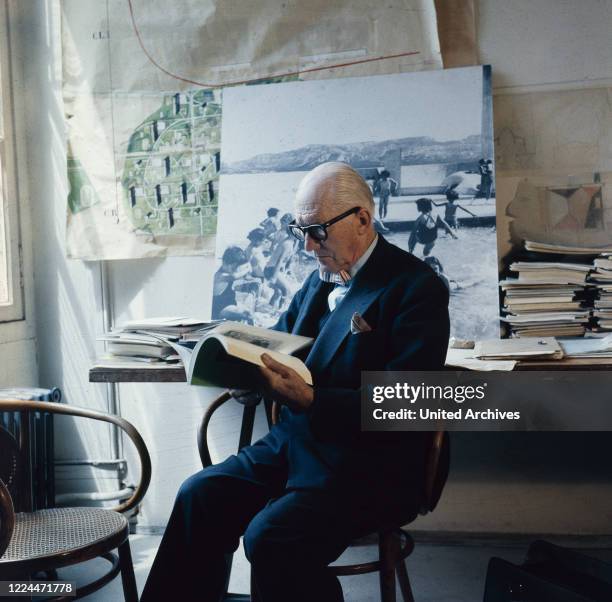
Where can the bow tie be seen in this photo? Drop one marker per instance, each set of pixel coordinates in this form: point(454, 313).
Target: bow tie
point(342, 280)
point(342, 277)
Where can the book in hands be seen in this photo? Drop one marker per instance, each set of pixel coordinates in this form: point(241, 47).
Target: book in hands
point(229, 355)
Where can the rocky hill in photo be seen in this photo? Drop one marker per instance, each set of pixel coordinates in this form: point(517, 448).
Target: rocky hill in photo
point(414, 151)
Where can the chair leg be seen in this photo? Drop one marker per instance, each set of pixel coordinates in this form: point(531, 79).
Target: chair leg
point(130, 592)
point(404, 581)
point(388, 549)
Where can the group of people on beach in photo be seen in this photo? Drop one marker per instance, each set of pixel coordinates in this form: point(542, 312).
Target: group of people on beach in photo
point(260, 275)
point(425, 227)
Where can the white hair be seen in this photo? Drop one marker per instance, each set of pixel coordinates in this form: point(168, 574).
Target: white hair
point(334, 185)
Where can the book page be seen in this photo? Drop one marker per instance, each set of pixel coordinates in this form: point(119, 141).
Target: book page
point(252, 353)
point(263, 338)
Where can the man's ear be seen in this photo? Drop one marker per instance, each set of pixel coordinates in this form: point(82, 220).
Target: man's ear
point(364, 217)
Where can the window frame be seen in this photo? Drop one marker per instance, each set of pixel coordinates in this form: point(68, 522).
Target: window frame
point(14, 310)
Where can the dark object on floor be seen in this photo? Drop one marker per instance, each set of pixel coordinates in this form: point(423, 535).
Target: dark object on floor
point(52, 538)
point(550, 573)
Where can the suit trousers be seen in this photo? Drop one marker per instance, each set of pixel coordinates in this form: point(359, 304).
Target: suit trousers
point(290, 535)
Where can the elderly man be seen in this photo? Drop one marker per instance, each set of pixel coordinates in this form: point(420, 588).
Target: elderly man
point(315, 481)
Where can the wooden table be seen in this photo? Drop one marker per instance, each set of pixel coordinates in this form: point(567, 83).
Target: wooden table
point(176, 374)
point(115, 374)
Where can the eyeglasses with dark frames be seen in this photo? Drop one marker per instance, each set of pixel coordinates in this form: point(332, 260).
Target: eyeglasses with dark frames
point(318, 232)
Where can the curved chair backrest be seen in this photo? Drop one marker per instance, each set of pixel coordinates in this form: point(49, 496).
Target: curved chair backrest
point(7, 517)
point(10, 461)
point(15, 405)
point(437, 465)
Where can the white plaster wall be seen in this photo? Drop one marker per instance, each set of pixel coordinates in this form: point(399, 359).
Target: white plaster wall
point(66, 293)
point(528, 43)
point(546, 43)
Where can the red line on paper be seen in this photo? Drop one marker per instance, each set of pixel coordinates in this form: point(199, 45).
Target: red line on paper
point(248, 81)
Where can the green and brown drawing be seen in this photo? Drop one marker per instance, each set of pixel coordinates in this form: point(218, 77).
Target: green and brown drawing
point(81, 194)
point(170, 174)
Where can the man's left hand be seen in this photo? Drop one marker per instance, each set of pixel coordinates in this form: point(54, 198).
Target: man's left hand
point(285, 385)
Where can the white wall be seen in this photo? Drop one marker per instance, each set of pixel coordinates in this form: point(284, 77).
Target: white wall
point(66, 293)
point(528, 43)
point(546, 44)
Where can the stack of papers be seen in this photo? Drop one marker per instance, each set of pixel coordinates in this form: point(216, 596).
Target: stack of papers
point(602, 269)
point(172, 328)
point(552, 272)
point(151, 340)
point(137, 347)
point(600, 279)
point(541, 247)
point(547, 299)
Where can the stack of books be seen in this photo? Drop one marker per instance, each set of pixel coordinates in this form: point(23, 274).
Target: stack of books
point(559, 298)
point(601, 279)
point(540, 247)
point(547, 299)
point(150, 341)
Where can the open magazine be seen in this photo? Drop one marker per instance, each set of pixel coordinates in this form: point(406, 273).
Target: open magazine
point(229, 355)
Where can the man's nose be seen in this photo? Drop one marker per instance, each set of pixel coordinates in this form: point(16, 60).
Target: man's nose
point(310, 244)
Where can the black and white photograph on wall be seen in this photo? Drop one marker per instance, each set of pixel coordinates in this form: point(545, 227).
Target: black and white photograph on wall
point(424, 143)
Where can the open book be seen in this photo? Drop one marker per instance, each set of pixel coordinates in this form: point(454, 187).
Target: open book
point(229, 355)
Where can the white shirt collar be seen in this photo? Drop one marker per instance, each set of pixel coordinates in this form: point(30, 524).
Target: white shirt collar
point(364, 258)
point(343, 277)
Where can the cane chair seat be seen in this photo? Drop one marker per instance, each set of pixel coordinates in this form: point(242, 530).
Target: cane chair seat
point(62, 532)
point(49, 539)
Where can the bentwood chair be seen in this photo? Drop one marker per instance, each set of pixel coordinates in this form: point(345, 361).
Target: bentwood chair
point(46, 540)
point(394, 543)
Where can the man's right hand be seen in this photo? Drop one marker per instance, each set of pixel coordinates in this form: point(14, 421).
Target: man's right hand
point(246, 397)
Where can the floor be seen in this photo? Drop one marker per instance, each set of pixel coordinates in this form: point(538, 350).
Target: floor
point(439, 572)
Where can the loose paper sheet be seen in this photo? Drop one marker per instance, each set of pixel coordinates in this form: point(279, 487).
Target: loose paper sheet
point(144, 146)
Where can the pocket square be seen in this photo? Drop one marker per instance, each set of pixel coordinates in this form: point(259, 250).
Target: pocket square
point(358, 324)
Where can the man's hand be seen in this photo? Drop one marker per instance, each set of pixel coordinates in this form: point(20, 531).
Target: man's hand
point(285, 385)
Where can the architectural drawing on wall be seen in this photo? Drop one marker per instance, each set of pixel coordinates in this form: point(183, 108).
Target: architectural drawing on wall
point(575, 208)
point(143, 175)
point(557, 209)
point(171, 166)
point(81, 194)
point(141, 135)
point(553, 169)
point(411, 136)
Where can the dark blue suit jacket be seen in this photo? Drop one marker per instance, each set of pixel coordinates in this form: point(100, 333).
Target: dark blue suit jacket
point(406, 305)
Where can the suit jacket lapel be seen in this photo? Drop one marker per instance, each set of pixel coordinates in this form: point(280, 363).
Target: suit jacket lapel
point(365, 288)
point(312, 308)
